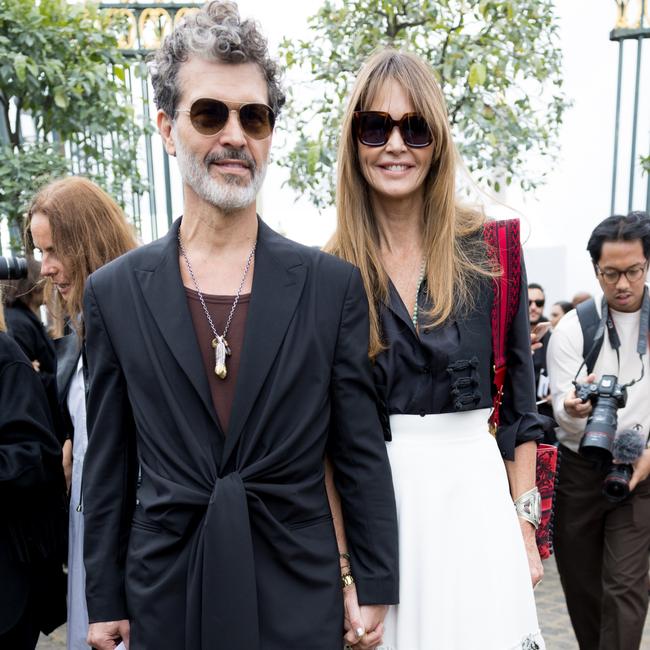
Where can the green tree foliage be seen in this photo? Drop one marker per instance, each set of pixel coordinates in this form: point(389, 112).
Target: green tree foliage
point(498, 63)
point(62, 81)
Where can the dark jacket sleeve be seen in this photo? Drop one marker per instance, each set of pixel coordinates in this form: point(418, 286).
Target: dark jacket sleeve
point(29, 333)
point(520, 421)
point(108, 487)
point(28, 449)
point(32, 487)
point(358, 454)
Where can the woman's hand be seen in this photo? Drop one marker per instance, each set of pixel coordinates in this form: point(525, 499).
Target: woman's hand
point(364, 626)
point(67, 463)
point(354, 629)
point(534, 561)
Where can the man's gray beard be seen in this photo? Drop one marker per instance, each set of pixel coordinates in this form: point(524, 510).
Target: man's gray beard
point(226, 193)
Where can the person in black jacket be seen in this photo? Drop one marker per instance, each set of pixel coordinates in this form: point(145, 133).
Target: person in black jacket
point(220, 535)
point(22, 301)
point(32, 505)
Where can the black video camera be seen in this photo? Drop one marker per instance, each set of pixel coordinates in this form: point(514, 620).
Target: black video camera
point(13, 268)
point(607, 396)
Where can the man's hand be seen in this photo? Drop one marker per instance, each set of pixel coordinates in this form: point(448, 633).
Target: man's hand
point(36, 364)
point(537, 334)
point(535, 343)
point(108, 635)
point(373, 619)
point(575, 407)
point(641, 469)
point(364, 627)
point(534, 561)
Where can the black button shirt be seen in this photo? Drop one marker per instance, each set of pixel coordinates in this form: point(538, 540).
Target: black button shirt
point(449, 368)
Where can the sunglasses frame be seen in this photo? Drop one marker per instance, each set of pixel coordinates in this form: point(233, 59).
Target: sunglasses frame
point(400, 124)
point(233, 107)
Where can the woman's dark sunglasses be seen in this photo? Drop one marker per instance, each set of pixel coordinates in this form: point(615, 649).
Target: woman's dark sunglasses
point(209, 116)
point(373, 128)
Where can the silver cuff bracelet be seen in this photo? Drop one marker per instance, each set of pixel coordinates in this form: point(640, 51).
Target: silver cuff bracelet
point(529, 506)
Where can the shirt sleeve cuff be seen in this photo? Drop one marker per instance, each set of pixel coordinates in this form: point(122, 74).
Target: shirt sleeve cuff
point(528, 427)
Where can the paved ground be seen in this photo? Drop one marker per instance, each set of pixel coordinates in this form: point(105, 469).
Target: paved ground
point(550, 604)
point(553, 616)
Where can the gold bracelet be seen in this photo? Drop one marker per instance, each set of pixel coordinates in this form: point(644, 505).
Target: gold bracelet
point(347, 580)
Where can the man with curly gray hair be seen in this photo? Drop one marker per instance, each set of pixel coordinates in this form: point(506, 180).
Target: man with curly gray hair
point(225, 362)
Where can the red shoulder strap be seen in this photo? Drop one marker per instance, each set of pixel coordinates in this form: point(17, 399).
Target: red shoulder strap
point(502, 238)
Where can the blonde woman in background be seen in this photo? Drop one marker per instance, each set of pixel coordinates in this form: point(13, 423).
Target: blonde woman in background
point(78, 228)
point(467, 563)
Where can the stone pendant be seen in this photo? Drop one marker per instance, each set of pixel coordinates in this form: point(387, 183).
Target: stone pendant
point(221, 351)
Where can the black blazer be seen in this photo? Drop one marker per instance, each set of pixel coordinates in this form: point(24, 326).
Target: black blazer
point(230, 543)
point(33, 516)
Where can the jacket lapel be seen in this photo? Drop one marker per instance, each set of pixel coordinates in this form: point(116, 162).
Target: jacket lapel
point(278, 281)
point(68, 351)
point(163, 291)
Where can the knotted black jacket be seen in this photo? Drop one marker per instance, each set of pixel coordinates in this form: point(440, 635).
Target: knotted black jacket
point(226, 540)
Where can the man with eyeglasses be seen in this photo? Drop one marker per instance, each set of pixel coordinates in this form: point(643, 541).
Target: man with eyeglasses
point(602, 545)
point(225, 363)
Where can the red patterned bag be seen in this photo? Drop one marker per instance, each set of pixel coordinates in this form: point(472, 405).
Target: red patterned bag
point(546, 473)
point(504, 245)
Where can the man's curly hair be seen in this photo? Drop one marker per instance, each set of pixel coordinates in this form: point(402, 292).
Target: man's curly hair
point(215, 33)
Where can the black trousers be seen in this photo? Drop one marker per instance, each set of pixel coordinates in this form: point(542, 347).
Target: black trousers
point(24, 635)
point(602, 556)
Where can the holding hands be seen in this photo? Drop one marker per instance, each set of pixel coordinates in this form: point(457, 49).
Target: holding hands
point(364, 625)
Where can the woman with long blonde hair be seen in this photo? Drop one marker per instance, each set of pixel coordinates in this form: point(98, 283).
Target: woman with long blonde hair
point(467, 563)
point(78, 228)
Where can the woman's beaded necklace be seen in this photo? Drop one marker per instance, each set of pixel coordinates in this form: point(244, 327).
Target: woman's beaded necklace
point(414, 316)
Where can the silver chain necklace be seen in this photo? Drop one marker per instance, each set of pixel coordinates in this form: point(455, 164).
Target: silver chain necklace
point(219, 342)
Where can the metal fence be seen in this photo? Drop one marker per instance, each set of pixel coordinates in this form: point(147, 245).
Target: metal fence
point(632, 28)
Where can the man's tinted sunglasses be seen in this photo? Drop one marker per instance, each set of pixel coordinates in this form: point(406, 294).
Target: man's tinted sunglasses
point(373, 128)
point(209, 116)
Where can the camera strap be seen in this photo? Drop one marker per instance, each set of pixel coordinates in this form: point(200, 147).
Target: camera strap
point(606, 322)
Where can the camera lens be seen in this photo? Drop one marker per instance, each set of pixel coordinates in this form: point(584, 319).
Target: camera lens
point(616, 485)
point(13, 268)
point(597, 442)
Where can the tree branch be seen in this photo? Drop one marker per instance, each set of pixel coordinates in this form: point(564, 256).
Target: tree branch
point(5, 115)
point(15, 134)
point(445, 45)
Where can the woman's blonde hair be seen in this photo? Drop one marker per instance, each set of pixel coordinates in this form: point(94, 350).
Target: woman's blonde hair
point(88, 230)
point(452, 267)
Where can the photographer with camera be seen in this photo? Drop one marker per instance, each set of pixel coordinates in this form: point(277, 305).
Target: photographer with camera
point(22, 300)
point(602, 518)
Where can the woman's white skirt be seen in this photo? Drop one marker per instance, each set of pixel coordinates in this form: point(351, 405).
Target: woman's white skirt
point(464, 577)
